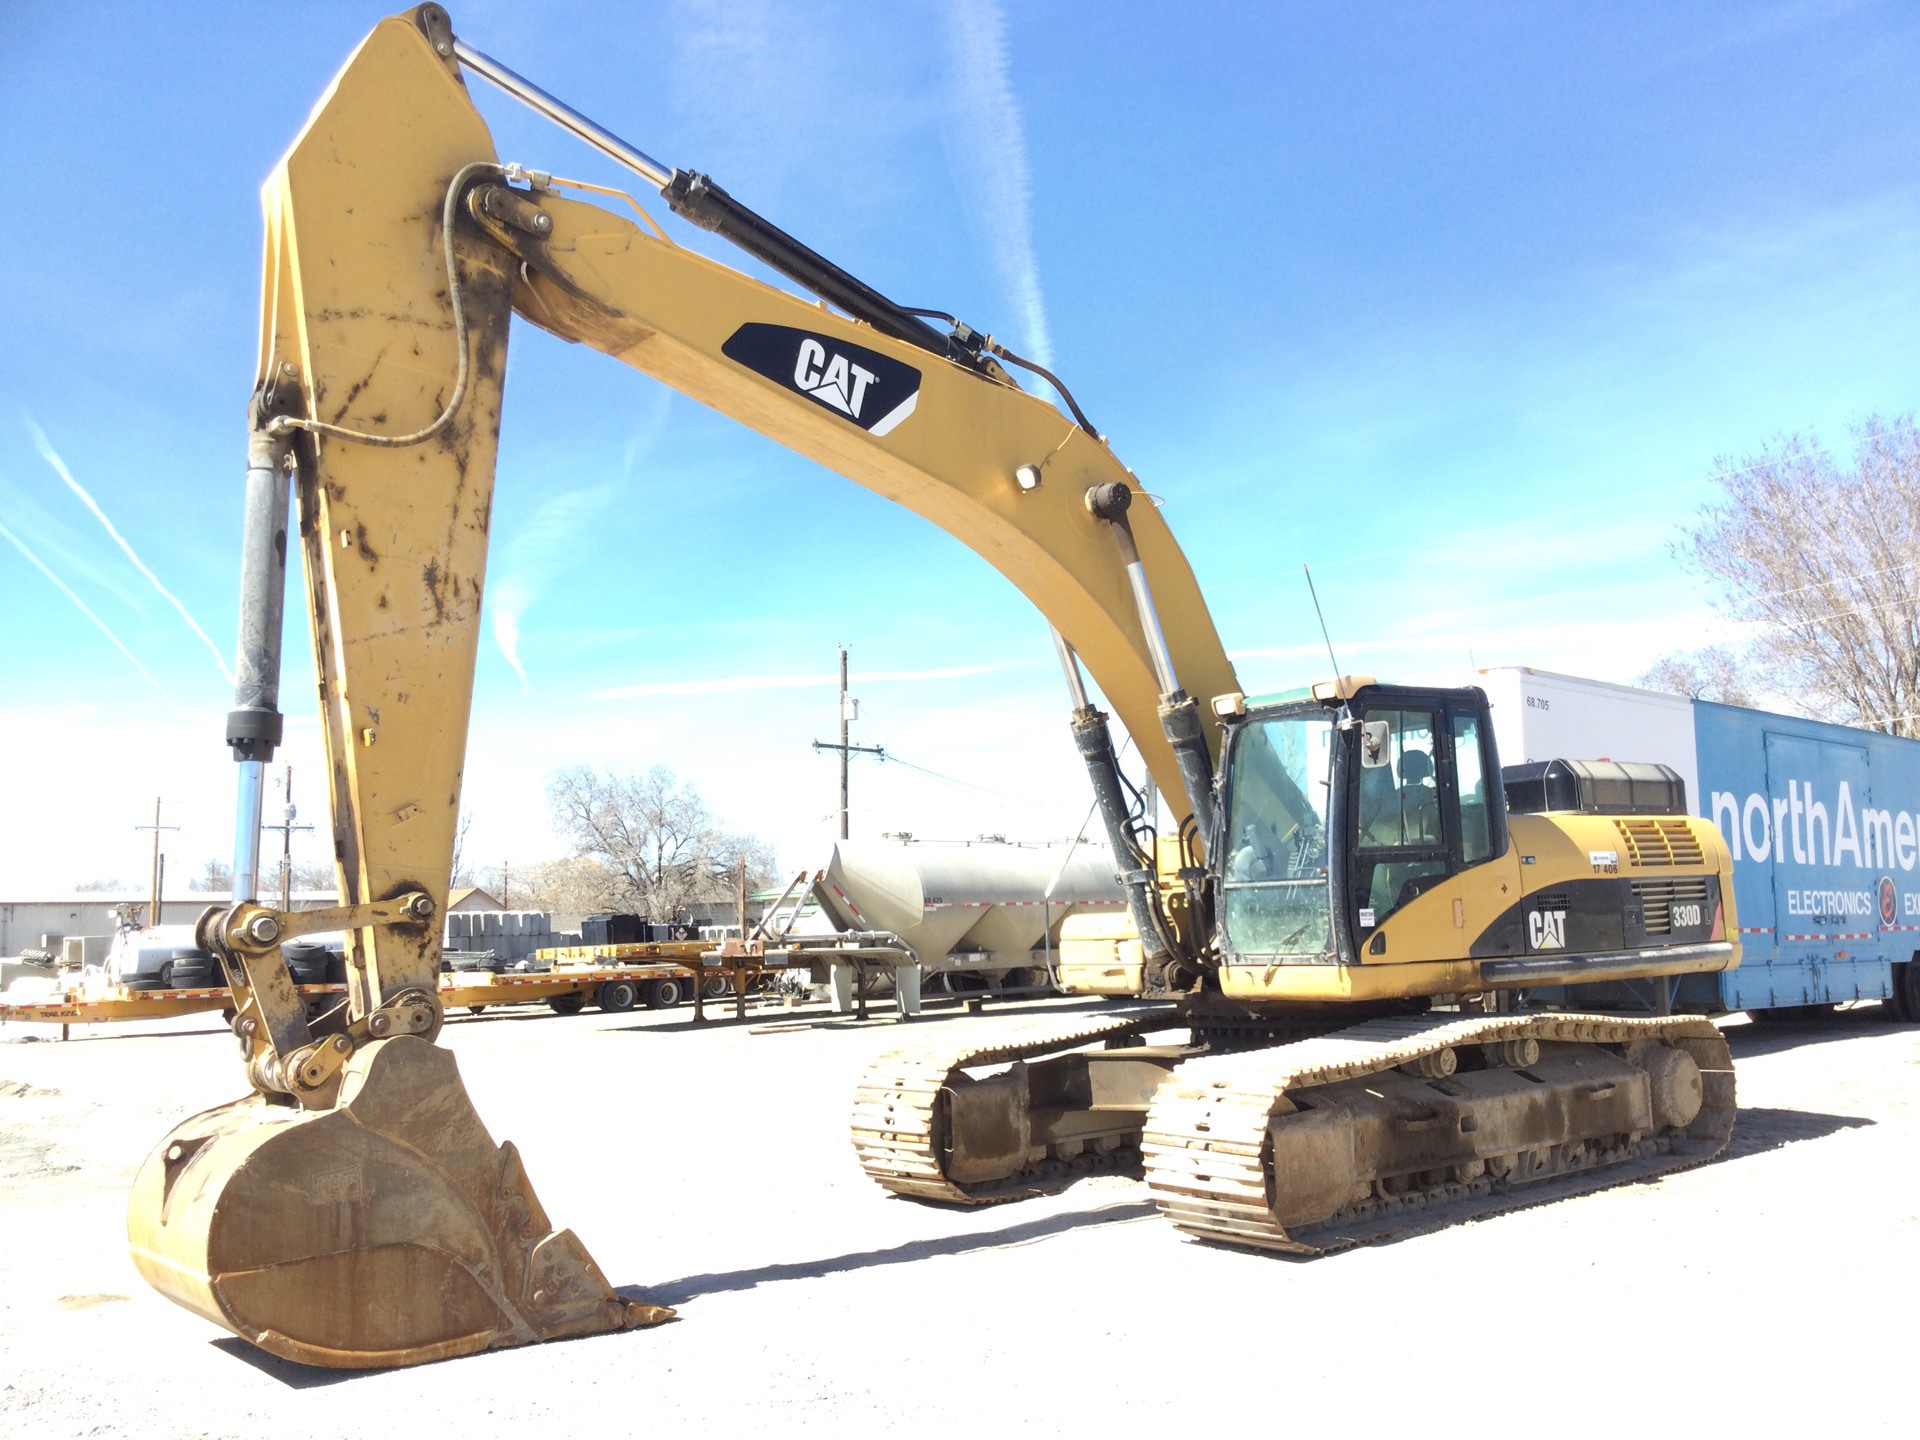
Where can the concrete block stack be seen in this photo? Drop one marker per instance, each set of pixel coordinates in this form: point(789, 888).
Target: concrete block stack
point(510, 934)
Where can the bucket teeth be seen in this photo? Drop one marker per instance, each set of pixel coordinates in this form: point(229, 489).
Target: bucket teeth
point(388, 1230)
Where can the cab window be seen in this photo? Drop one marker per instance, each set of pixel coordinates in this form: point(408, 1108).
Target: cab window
point(1275, 880)
point(1470, 771)
point(1400, 830)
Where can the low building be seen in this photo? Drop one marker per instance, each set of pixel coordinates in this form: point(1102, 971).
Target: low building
point(43, 922)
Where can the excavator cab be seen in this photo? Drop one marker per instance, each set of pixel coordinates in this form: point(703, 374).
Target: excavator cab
point(1339, 814)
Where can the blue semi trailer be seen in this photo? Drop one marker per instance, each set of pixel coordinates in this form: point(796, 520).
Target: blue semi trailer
point(1823, 822)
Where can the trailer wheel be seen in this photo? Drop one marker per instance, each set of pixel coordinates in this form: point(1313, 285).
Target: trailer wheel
point(664, 994)
point(615, 996)
point(567, 1004)
point(1906, 991)
point(716, 988)
point(476, 1009)
point(1015, 979)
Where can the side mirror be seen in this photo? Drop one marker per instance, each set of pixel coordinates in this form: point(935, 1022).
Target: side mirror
point(1373, 743)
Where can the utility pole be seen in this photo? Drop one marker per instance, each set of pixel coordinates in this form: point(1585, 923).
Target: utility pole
point(849, 711)
point(153, 905)
point(286, 830)
point(845, 720)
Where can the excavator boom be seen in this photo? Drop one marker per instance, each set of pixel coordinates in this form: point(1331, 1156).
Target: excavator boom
point(354, 1210)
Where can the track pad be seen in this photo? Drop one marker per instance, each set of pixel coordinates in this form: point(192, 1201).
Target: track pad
point(989, 1126)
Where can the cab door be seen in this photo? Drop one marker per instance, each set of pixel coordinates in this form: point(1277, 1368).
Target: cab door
point(1426, 807)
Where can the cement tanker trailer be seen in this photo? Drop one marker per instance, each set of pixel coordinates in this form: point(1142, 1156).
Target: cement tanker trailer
point(977, 915)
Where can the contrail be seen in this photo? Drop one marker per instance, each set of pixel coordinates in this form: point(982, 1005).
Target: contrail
point(992, 149)
point(534, 556)
point(47, 453)
point(510, 601)
point(35, 561)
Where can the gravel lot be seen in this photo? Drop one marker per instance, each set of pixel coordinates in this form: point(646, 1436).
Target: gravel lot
point(710, 1170)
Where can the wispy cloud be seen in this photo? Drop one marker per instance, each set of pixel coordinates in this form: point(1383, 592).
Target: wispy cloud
point(62, 586)
point(536, 554)
point(52, 457)
point(988, 147)
point(540, 551)
point(721, 685)
point(1749, 26)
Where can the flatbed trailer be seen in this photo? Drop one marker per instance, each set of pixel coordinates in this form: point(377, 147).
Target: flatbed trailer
point(711, 972)
point(567, 989)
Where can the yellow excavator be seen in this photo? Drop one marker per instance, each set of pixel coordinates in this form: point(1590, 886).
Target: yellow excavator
point(1350, 902)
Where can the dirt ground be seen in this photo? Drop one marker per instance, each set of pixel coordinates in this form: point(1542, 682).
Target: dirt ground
point(710, 1170)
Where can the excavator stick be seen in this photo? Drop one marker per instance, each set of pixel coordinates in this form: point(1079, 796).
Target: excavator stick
point(355, 1212)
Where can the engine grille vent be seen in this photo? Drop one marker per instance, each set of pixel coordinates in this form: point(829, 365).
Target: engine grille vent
point(1659, 842)
point(1657, 899)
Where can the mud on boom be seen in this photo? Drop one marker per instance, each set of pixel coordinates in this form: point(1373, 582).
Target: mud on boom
point(1349, 863)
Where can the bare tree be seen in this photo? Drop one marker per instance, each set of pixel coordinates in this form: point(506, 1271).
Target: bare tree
point(89, 887)
point(309, 875)
point(654, 836)
point(459, 873)
point(1825, 557)
point(1715, 673)
point(577, 886)
point(217, 877)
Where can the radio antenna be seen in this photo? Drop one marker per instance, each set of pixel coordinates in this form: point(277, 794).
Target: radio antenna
point(1323, 624)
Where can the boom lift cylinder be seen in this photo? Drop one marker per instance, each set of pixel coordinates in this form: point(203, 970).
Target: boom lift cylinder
point(1094, 740)
point(1179, 714)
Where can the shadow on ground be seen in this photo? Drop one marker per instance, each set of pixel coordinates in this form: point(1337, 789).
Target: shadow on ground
point(693, 1287)
point(1757, 1129)
point(289, 1373)
point(109, 1031)
point(1755, 1038)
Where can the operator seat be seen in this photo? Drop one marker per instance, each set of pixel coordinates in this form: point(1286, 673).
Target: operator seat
point(1419, 800)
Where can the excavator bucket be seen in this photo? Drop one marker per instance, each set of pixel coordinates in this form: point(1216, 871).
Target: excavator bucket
point(388, 1230)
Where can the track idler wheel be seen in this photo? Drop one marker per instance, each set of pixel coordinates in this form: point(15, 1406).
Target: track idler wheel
point(387, 1230)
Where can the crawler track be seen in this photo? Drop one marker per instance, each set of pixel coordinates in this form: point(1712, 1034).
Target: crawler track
point(897, 1112)
point(1208, 1153)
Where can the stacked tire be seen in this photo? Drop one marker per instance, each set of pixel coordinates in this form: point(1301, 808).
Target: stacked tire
point(184, 970)
point(309, 964)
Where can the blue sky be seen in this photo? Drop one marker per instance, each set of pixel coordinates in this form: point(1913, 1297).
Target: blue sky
point(1459, 304)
